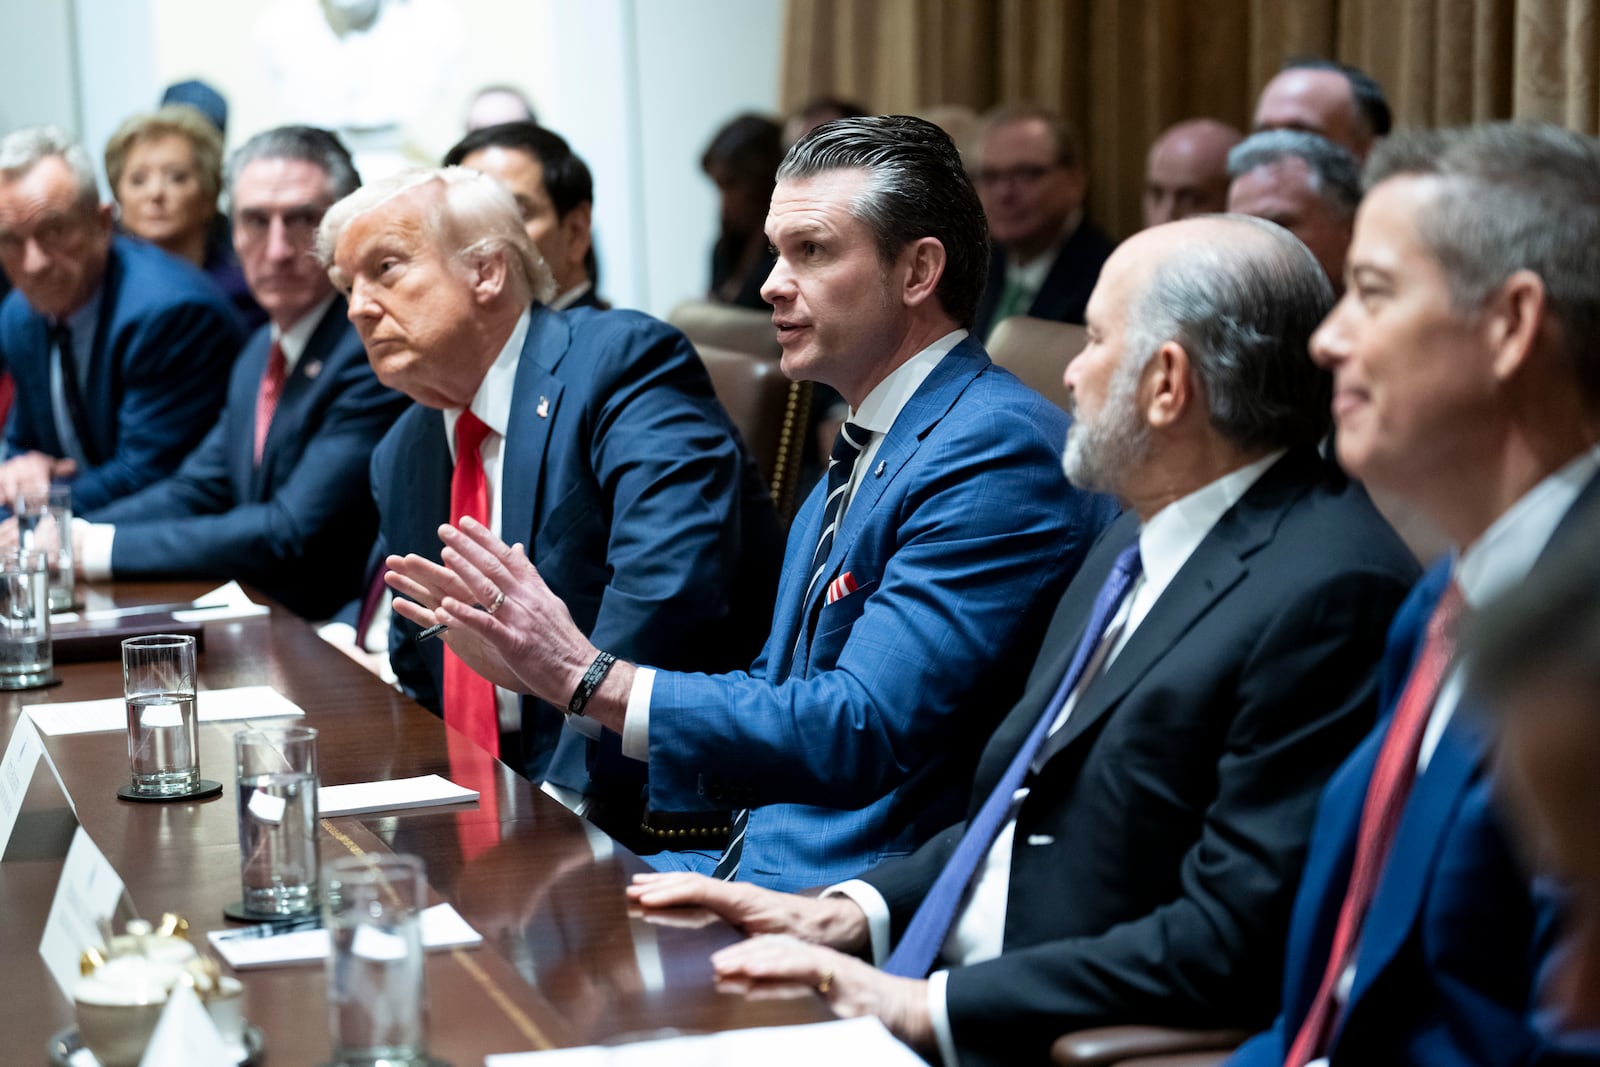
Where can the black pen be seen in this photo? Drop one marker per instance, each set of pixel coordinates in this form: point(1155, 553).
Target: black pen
point(438, 628)
point(271, 929)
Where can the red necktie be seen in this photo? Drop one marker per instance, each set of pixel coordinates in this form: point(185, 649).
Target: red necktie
point(1392, 777)
point(469, 697)
point(267, 398)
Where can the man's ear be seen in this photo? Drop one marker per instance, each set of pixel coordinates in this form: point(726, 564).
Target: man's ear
point(488, 275)
point(1168, 393)
point(923, 262)
point(1514, 316)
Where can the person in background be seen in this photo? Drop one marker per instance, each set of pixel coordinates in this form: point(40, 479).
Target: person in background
point(1032, 179)
point(742, 159)
point(814, 113)
point(494, 105)
point(1305, 183)
point(165, 171)
point(554, 192)
point(120, 352)
point(1186, 171)
point(1340, 102)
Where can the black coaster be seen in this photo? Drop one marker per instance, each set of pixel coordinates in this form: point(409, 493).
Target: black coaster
point(54, 679)
point(240, 914)
point(206, 788)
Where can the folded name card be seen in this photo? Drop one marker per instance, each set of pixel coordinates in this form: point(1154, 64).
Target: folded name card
point(247, 947)
point(215, 705)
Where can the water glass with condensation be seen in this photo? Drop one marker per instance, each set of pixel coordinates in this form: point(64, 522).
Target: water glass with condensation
point(277, 794)
point(25, 654)
point(377, 1005)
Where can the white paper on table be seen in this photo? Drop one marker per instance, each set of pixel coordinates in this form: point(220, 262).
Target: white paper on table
point(186, 1034)
point(248, 947)
point(841, 1041)
point(359, 798)
point(222, 604)
point(87, 893)
point(215, 705)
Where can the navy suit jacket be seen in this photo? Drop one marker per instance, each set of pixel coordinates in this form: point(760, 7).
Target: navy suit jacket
point(1065, 293)
point(855, 739)
point(1457, 938)
point(158, 372)
point(638, 503)
point(1156, 856)
point(299, 526)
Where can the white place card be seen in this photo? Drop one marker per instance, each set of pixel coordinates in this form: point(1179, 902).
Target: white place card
point(215, 705)
point(426, 791)
point(87, 893)
point(223, 604)
point(249, 947)
point(23, 753)
point(186, 1034)
point(842, 1041)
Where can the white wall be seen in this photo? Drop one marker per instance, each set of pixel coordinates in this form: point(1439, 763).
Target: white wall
point(637, 86)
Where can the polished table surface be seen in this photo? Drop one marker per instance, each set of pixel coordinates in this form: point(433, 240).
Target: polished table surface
point(563, 961)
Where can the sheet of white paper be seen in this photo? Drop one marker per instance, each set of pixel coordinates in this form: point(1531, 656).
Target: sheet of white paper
point(224, 603)
point(246, 947)
point(398, 795)
point(87, 892)
point(185, 1034)
point(215, 705)
point(842, 1041)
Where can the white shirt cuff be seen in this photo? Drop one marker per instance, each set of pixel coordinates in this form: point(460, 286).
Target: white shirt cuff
point(871, 902)
point(939, 1016)
point(636, 722)
point(97, 538)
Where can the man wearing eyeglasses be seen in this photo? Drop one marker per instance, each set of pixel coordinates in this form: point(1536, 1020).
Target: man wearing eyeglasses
point(1047, 256)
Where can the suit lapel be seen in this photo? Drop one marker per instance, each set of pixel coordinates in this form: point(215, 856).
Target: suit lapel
point(299, 389)
point(1216, 566)
point(535, 407)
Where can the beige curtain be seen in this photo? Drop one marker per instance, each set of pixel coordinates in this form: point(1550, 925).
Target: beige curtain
point(1123, 70)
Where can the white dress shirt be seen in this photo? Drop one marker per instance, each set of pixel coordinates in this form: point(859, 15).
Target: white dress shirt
point(98, 537)
point(571, 296)
point(877, 415)
point(1166, 542)
point(1490, 567)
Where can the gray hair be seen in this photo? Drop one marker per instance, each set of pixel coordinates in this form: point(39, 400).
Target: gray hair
point(1512, 196)
point(308, 144)
point(475, 216)
point(917, 188)
point(1244, 311)
point(21, 150)
point(1335, 176)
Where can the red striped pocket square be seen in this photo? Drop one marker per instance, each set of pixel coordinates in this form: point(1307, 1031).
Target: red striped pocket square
point(840, 587)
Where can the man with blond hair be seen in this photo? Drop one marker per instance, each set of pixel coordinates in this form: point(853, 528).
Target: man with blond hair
point(592, 438)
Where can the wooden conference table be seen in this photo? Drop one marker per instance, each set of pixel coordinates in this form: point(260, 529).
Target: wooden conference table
point(563, 962)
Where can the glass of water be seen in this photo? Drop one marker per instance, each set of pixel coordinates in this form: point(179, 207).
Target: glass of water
point(277, 792)
point(163, 740)
point(25, 654)
point(44, 524)
point(377, 1007)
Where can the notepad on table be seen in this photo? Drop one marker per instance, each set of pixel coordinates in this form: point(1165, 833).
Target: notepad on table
point(426, 791)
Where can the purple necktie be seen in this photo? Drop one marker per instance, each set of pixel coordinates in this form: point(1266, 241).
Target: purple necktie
point(913, 957)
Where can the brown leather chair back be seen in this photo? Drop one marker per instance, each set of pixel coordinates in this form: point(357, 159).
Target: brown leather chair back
point(770, 411)
point(724, 326)
point(1037, 351)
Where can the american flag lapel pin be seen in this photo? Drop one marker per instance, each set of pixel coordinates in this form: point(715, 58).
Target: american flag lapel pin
point(543, 410)
point(313, 369)
point(841, 587)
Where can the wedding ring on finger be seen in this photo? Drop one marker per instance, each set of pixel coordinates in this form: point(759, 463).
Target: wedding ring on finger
point(494, 605)
point(825, 981)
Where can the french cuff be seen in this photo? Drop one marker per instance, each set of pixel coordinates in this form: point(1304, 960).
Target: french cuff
point(866, 897)
point(636, 721)
point(96, 542)
point(939, 1015)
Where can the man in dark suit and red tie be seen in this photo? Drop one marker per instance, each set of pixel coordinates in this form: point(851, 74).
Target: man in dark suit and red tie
point(1137, 824)
point(1466, 362)
point(277, 493)
point(591, 437)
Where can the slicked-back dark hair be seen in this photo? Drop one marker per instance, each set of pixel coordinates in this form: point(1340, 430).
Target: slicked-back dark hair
point(566, 177)
point(308, 144)
point(918, 189)
point(1372, 106)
